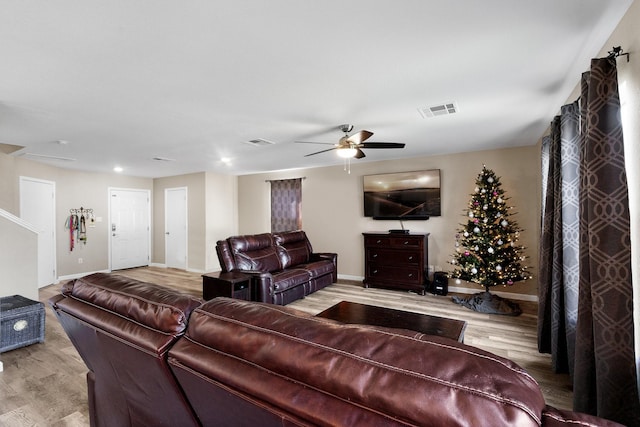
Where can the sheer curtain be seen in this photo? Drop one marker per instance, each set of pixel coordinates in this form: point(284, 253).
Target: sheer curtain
point(585, 293)
point(286, 205)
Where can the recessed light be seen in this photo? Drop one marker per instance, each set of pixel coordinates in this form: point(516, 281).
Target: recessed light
point(118, 169)
point(225, 160)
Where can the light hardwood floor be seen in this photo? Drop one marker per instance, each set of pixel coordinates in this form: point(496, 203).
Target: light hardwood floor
point(44, 384)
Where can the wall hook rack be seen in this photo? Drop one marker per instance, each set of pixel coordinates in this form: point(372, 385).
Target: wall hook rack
point(81, 211)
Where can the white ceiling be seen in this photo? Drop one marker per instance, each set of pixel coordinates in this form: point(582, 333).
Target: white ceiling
point(125, 81)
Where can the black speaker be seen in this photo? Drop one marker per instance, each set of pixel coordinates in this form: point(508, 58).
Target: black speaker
point(440, 283)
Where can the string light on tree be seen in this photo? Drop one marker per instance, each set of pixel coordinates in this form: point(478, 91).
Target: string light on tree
point(487, 248)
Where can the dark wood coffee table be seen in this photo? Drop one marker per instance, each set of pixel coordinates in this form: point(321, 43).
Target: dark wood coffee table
point(351, 312)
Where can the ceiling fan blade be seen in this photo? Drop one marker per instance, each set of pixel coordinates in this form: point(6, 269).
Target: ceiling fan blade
point(358, 137)
point(359, 154)
point(318, 152)
point(382, 145)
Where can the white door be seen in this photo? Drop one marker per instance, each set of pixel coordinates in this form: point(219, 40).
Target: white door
point(129, 215)
point(38, 207)
point(175, 227)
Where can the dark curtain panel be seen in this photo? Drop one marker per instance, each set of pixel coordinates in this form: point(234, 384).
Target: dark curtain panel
point(585, 316)
point(286, 204)
point(559, 268)
point(605, 375)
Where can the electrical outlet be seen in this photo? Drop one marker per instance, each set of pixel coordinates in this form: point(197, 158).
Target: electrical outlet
point(80, 260)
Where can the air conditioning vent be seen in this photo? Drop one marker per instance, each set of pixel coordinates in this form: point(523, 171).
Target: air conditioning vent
point(438, 110)
point(259, 142)
point(163, 159)
point(45, 156)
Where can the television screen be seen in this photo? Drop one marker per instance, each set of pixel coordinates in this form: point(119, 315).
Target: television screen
point(402, 195)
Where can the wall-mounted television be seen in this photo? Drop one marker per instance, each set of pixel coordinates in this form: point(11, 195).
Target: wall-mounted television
point(403, 195)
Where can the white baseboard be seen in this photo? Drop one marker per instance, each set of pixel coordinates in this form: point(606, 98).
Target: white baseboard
point(348, 277)
point(1, 367)
point(78, 275)
point(510, 295)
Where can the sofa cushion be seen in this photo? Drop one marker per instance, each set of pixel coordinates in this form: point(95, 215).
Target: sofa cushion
point(320, 367)
point(255, 252)
point(294, 248)
point(287, 279)
point(317, 268)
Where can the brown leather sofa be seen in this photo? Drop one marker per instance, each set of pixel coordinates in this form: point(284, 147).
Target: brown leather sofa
point(283, 266)
point(159, 358)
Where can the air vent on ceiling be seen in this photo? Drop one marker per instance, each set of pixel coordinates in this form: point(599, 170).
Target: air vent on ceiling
point(163, 159)
point(259, 142)
point(45, 156)
point(439, 110)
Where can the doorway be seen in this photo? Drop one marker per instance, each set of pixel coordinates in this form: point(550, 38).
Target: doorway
point(175, 227)
point(130, 234)
point(38, 208)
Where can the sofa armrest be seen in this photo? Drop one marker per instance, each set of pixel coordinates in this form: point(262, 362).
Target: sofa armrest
point(552, 417)
point(333, 257)
point(262, 284)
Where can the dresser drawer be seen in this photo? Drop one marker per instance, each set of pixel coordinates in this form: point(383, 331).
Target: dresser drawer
point(400, 241)
point(390, 256)
point(409, 275)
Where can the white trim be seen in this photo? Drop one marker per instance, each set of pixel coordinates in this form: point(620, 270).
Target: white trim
point(349, 277)
point(79, 275)
point(511, 295)
point(17, 220)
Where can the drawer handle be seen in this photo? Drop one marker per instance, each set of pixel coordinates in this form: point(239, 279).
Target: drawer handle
point(375, 271)
point(375, 255)
point(379, 241)
point(410, 274)
point(406, 242)
point(410, 258)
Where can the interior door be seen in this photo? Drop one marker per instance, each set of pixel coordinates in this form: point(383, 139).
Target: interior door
point(175, 228)
point(130, 235)
point(38, 207)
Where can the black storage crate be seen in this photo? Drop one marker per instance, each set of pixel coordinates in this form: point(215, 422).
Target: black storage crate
point(21, 322)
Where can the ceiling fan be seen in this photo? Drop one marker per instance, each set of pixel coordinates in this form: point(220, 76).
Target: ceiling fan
point(351, 146)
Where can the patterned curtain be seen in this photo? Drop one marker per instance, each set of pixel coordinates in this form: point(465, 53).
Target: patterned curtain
point(286, 204)
point(559, 265)
point(586, 309)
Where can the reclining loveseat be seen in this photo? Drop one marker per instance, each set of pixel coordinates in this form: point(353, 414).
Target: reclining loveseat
point(159, 358)
point(282, 266)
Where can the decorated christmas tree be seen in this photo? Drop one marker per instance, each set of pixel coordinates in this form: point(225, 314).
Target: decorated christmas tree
point(487, 249)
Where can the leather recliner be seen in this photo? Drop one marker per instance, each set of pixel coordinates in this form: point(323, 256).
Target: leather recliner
point(282, 266)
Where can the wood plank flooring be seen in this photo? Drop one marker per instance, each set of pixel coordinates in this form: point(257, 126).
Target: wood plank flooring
point(44, 384)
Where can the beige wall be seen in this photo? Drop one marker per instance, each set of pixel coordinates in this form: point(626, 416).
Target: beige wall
point(18, 247)
point(332, 205)
point(73, 190)
point(212, 215)
point(195, 184)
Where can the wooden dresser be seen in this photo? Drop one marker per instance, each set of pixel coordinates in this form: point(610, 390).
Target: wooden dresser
point(396, 261)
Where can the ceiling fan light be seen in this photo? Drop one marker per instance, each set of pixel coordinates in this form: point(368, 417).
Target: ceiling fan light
point(346, 153)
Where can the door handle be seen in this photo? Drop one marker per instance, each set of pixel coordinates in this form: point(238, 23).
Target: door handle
point(167, 233)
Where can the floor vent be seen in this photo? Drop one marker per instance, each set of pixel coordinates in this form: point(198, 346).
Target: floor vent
point(438, 110)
